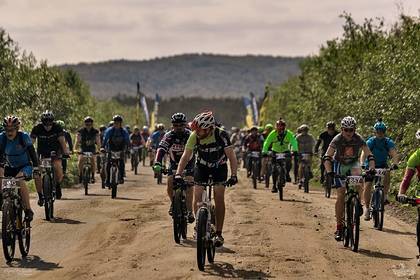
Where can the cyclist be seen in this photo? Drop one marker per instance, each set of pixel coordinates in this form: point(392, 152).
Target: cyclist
point(88, 140)
point(325, 138)
point(213, 148)
point(381, 147)
point(282, 141)
point(267, 130)
point(69, 142)
point(18, 158)
point(306, 144)
point(155, 139)
point(50, 137)
point(136, 140)
point(102, 129)
point(128, 128)
point(413, 164)
point(253, 143)
point(116, 140)
point(344, 149)
point(173, 143)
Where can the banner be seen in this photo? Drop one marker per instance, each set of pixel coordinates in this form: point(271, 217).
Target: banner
point(154, 116)
point(255, 114)
point(249, 118)
point(144, 106)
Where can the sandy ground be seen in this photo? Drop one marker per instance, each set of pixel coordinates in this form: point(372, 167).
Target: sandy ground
point(94, 237)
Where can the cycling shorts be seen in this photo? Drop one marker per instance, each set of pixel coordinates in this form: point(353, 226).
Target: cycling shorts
point(202, 173)
point(344, 170)
point(14, 171)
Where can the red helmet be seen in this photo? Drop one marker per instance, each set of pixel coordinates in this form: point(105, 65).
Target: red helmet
point(11, 121)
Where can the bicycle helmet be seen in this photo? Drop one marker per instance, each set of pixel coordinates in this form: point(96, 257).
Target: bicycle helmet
point(145, 128)
point(60, 123)
point(348, 122)
point(88, 119)
point(418, 134)
point(235, 129)
point(11, 121)
point(117, 118)
point(380, 126)
point(127, 127)
point(111, 123)
point(280, 123)
point(254, 128)
point(203, 120)
point(179, 118)
point(269, 126)
point(47, 116)
point(304, 128)
point(330, 124)
point(102, 128)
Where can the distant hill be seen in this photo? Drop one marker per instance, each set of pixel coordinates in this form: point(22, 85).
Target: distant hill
point(203, 75)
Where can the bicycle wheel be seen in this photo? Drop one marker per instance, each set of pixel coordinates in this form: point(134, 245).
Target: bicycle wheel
point(374, 208)
point(176, 216)
point(355, 226)
point(281, 182)
point(201, 238)
point(348, 220)
point(254, 173)
point(24, 235)
point(211, 251)
point(47, 189)
point(113, 182)
point(8, 236)
point(381, 212)
point(86, 178)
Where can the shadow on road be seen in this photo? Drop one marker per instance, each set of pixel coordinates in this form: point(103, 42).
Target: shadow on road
point(98, 194)
point(393, 231)
point(70, 199)
point(34, 262)
point(380, 255)
point(128, 198)
point(225, 250)
point(67, 221)
point(297, 200)
point(226, 270)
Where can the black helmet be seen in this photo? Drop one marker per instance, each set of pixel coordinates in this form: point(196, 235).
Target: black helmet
point(330, 124)
point(47, 116)
point(178, 118)
point(117, 118)
point(88, 119)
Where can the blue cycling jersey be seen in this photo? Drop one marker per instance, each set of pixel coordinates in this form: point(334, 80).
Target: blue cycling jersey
point(380, 148)
point(16, 154)
point(116, 139)
point(156, 138)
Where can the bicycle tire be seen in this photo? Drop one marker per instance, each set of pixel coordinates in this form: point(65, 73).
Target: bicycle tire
point(281, 182)
point(8, 237)
point(176, 216)
point(381, 213)
point(355, 226)
point(211, 252)
point(374, 208)
point(24, 235)
point(347, 223)
point(46, 186)
point(113, 182)
point(254, 173)
point(201, 238)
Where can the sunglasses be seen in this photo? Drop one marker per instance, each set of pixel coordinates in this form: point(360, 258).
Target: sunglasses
point(348, 129)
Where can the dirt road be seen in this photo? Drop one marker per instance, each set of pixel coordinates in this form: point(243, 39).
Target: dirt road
point(95, 237)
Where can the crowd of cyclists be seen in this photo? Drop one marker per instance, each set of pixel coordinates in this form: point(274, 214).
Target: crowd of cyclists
point(202, 149)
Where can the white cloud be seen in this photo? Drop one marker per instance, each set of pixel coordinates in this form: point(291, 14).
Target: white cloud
point(79, 30)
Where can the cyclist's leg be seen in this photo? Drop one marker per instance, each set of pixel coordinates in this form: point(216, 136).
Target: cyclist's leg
point(93, 161)
point(201, 175)
point(219, 201)
point(189, 193)
point(322, 168)
point(340, 201)
point(300, 176)
point(288, 168)
point(386, 181)
point(80, 165)
point(58, 169)
point(367, 193)
point(24, 192)
point(296, 169)
point(264, 161)
point(108, 169)
point(64, 164)
point(169, 188)
point(121, 167)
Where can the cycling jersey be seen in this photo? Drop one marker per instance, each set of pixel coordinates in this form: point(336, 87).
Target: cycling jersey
point(254, 143)
point(306, 143)
point(280, 143)
point(326, 139)
point(347, 152)
point(116, 139)
point(380, 148)
point(174, 144)
point(413, 163)
point(47, 140)
point(88, 139)
point(210, 150)
point(235, 139)
point(145, 135)
point(156, 138)
point(136, 140)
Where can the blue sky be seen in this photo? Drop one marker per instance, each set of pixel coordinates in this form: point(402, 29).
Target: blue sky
point(95, 30)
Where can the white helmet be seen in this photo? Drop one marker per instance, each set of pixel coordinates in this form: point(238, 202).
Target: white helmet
point(418, 134)
point(204, 120)
point(348, 122)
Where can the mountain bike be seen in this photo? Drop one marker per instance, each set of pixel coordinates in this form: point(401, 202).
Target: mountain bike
point(306, 160)
point(254, 158)
point(353, 211)
point(102, 171)
point(48, 186)
point(180, 211)
point(377, 207)
point(114, 161)
point(135, 158)
point(279, 172)
point(13, 224)
point(87, 171)
point(415, 202)
point(206, 229)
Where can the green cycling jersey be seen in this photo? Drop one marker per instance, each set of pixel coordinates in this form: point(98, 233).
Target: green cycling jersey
point(280, 143)
point(414, 160)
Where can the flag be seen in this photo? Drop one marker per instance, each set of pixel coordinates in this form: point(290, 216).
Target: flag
point(255, 115)
point(144, 106)
point(154, 116)
point(248, 119)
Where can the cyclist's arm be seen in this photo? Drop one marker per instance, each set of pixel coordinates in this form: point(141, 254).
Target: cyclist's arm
point(318, 142)
point(394, 155)
point(163, 148)
point(268, 141)
point(369, 155)
point(293, 142)
point(98, 141)
point(328, 158)
point(69, 140)
point(232, 160)
point(78, 141)
point(106, 139)
point(62, 141)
